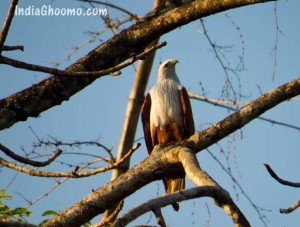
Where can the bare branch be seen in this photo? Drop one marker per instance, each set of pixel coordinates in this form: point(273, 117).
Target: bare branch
point(11, 48)
point(243, 116)
point(291, 208)
point(280, 180)
point(73, 174)
point(225, 104)
point(62, 73)
point(27, 161)
point(201, 178)
point(258, 209)
point(225, 68)
point(167, 199)
point(7, 23)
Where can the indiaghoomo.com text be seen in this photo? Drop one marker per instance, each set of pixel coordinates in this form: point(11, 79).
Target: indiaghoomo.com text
point(48, 10)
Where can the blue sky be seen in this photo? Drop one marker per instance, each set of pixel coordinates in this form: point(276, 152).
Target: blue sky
point(97, 112)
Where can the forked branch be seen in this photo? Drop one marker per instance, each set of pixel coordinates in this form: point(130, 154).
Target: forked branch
point(221, 197)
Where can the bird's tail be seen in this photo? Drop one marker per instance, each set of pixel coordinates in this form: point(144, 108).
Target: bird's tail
point(174, 185)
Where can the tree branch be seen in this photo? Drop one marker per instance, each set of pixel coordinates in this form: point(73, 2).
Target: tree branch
point(14, 223)
point(129, 42)
point(291, 208)
point(62, 73)
point(243, 116)
point(27, 161)
point(226, 105)
point(201, 178)
point(280, 180)
point(73, 174)
point(167, 199)
point(7, 23)
point(11, 48)
point(164, 159)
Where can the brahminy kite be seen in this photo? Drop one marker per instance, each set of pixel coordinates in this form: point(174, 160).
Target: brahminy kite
point(167, 117)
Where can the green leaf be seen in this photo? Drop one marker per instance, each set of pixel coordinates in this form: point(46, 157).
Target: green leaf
point(49, 212)
point(21, 211)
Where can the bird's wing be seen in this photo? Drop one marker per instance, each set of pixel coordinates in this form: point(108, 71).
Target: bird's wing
point(146, 122)
point(188, 120)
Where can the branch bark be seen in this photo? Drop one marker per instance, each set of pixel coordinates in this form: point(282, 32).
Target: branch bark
point(31, 101)
point(165, 159)
point(222, 198)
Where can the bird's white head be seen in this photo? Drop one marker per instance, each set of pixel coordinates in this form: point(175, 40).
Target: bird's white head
point(167, 70)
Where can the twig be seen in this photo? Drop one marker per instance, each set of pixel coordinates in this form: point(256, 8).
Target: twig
point(73, 174)
point(27, 161)
point(280, 180)
point(63, 73)
point(225, 104)
point(214, 47)
point(7, 23)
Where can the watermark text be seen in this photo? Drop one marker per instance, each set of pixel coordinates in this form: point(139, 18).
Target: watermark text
point(48, 10)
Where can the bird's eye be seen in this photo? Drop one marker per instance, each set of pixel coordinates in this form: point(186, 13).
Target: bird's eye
point(166, 65)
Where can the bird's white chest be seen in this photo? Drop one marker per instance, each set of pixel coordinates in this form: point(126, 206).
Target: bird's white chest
point(165, 103)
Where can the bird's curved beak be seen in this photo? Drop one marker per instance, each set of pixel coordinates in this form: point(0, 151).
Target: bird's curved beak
point(174, 61)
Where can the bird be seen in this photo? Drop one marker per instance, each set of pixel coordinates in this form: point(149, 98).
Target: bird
point(167, 117)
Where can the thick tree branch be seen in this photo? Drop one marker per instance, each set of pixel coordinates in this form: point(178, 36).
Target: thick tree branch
point(165, 159)
point(31, 101)
point(14, 223)
point(167, 199)
point(243, 116)
point(27, 161)
point(201, 178)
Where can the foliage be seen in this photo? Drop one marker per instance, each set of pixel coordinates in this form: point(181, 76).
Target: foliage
point(8, 213)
